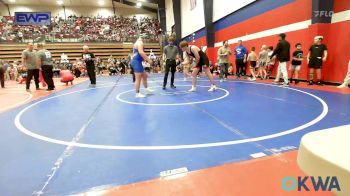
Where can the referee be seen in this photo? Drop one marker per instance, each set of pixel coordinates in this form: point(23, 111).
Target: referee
point(170, 55)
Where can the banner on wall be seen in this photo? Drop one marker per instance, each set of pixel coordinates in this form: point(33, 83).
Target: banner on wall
point(33, 18)
point(193, 4)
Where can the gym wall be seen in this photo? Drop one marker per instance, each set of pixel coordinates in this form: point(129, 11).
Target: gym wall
point(260, 22)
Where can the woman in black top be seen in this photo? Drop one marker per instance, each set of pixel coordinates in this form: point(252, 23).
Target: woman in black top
point(201, 60)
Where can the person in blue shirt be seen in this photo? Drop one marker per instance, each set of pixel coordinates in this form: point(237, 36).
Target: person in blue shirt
point(241, 58)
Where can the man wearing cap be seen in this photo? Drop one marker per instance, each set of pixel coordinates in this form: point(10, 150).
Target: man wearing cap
point(315, 58)
point(30, 63)
point(282, 52)
point(170, 56)
point(45, 61)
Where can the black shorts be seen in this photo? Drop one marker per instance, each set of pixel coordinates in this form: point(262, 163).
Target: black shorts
point(203, 61)
point(252, 64)
point(315, 63)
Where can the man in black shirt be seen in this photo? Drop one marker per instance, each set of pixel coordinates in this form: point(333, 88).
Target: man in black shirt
point(316, 56)
point(296, 63)
point(282, 52)
point(89, 58)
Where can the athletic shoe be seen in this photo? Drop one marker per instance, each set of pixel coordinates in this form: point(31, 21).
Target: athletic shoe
point(164, 87)
point(221, 80)
point(38, 89)
point(185, 79)
point(149, 91)
point(193, 89)
point(284, 84)
point(212, 88)
point(28, 90)
point(310, 83)
point(225, 79)
point(296, 81)
point(320, 84)
point(173, 86)
point(275, 82)
point(92, 85)
point(139, 95)
point(252, 79)
point(343, 85)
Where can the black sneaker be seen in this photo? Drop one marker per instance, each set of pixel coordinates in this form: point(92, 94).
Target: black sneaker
point(310, 83)
point(172, 86)
point(164, 88)
point(320, 83)
point(296, 81)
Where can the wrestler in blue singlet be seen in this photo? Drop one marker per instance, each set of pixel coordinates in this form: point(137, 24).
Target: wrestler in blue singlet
point(136, 61)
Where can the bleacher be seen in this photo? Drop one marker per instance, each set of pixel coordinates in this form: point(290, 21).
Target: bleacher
point(12, 52)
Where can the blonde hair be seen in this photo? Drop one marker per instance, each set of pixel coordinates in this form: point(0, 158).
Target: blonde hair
point(171, 39)
point(85, 47)
point(40, 45)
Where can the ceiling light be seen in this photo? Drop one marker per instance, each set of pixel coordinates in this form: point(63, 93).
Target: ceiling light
point(60, 2)
point(101, 2)
point(138, 4)
point(12, 1)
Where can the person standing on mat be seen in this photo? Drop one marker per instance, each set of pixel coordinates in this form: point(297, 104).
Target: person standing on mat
point(223, 55)
point(315, 58)
point(296, 63)
point(241, 58)
point(347, 79)
point(136, 62)
point(131, 69)
point(170, 56)
point(252, 58)
point(2, 74)
point(46, 64)
point(89, 59)
point(282, 52)
point(200, 60)
point(30, 63)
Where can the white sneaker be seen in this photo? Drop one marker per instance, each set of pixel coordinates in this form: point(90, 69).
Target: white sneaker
point(139, 95)
point(193, 89)
point(185, 79)
point(225, 79)
point(212, 88)
point(253, 79)
point(221, 80)
point(342, 86)
point(149, 91)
